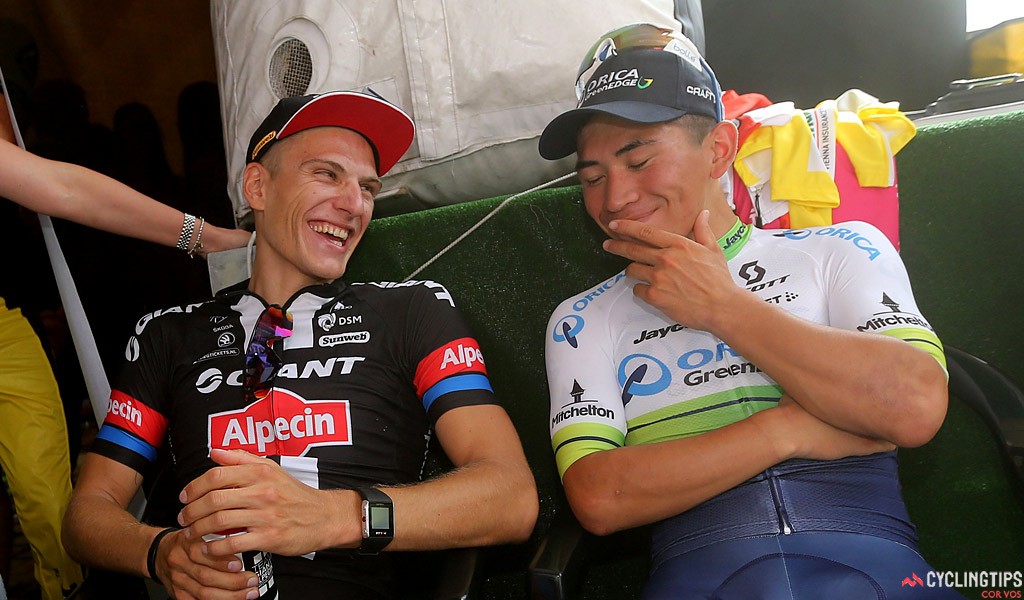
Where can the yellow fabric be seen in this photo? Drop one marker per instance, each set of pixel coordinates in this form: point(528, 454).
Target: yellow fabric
point(871, 132)
point(786, 154)
point(797, 173)
point(998, 51)
point(34, 451)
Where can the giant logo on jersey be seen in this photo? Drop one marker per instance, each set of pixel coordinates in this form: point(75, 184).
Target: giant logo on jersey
point(843, 233)
point(282, 424)
point(211, 379)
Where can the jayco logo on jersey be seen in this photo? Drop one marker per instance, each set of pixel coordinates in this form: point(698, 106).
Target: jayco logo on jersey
point(633, 372)
point(287, 426)
point(654, 334)
point(211, 379)
point(843, 233)
point(566, 330)
point(141, 324)
point(352, 337)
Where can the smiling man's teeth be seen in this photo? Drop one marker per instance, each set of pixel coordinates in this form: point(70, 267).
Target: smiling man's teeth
point(330, 230)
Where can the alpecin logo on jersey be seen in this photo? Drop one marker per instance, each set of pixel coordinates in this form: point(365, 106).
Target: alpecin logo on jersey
point(133, 416)
point(894, 316)
point(282, 424)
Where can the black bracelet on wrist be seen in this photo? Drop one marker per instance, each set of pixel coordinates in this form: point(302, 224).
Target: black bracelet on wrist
point(151, 557)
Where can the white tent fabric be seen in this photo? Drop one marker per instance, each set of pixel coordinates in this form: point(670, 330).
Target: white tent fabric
point(481, 78)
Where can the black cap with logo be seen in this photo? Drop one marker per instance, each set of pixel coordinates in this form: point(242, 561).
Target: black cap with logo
point(640, 73)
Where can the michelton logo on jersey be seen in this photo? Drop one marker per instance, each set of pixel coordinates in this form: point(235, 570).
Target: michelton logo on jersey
point(455, 366)
point(282, 424)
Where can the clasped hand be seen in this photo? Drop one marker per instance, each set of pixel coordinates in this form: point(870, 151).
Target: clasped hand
point(279, 513)
point(688, 280)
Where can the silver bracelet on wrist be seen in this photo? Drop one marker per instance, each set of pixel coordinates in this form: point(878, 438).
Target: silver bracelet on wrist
point(198, 245)
point(187, 226)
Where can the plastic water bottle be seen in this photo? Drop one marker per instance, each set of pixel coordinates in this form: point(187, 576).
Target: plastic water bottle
point(255, 561)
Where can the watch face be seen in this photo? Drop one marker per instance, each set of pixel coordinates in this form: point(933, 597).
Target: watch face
point(377, 520)
point(380, 518)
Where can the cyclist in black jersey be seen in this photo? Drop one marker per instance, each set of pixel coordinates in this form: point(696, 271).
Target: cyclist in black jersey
point(297, 407)
point(743, 391)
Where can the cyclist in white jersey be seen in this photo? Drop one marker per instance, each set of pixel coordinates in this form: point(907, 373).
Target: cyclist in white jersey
point(743, 390)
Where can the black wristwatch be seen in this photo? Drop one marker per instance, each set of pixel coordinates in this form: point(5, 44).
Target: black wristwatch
point(378, 520)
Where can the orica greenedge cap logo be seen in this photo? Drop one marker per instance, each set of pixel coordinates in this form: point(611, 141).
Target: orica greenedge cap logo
point(641, 36)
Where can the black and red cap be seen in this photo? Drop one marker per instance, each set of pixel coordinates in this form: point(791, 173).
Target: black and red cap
point(385, 126)
point(642, 73)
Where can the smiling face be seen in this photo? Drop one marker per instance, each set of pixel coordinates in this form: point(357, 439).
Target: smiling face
point(658, 174)
point(312, 198)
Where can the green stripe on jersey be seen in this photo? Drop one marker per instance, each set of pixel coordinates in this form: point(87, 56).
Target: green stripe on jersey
point(700, 415)
point(575, 441)
point(920, 338)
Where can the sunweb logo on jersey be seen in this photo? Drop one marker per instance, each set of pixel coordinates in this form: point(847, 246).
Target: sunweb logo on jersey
point(566, 330)
point(283, 424)
point(635, 370)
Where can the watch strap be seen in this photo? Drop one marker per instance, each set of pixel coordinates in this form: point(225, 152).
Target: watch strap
point(373, 544)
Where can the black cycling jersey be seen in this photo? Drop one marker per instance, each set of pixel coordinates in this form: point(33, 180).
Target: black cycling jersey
point(366, 372)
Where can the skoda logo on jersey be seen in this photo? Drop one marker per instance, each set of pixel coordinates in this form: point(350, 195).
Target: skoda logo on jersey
point(567, 328)
point(225, 339)
point(637, 368)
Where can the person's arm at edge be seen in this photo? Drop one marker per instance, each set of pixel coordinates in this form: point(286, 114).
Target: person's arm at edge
point(490, 497)
point(865, 383)
point(99, 531)
point(626, 487)
point(89, 198)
